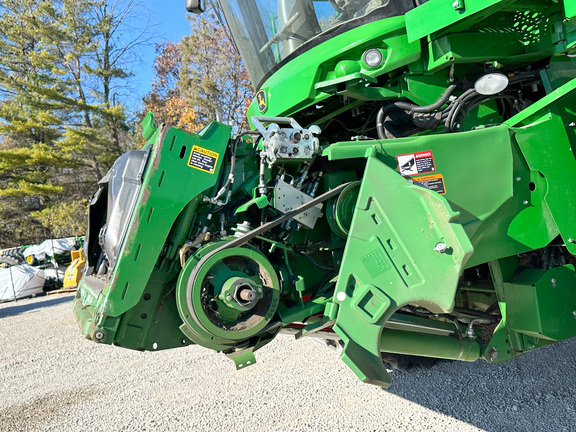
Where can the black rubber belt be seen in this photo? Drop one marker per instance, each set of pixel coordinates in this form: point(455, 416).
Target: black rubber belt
point(256, 232)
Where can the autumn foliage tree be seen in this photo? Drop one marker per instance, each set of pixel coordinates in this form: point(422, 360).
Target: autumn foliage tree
point(166, 100)
point(200, 79)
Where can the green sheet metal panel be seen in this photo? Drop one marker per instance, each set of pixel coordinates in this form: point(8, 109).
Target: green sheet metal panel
point(390, 260)
point(541, 303)
point(545, 135)
point(486, 179)
point(436, 15)
point(292, 87)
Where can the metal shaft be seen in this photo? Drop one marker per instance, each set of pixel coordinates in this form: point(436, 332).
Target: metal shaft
point(445, 347)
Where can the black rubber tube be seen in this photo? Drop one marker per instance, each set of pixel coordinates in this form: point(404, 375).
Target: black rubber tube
point(410, 107)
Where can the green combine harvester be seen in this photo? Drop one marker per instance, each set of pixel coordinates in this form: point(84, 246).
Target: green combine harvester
point(408, 188)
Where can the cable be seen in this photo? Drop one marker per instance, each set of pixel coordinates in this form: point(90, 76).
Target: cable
point(410, 107)
point(456, 107)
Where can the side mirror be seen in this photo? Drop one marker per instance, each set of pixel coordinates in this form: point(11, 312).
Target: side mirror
point(194, 6)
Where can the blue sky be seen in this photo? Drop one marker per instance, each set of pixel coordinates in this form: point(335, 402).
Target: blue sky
point(170, 24)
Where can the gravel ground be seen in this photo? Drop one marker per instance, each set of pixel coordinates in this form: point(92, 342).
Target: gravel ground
point(51, 379)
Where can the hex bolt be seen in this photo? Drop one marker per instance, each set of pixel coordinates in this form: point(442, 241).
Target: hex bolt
point(229, 297)
point(553, 281)
point(525, 202)
point(570, 240)
point(99, 335)
point(518, 178)
point(574, 314)
point(492, 354)
point(441, 247)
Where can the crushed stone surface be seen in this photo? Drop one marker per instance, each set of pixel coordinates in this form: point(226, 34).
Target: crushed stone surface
point(52, 379)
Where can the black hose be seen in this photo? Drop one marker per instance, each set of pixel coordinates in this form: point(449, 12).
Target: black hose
point(433, 107)
point(471, 102)
point(457, 105)
point(410, 107)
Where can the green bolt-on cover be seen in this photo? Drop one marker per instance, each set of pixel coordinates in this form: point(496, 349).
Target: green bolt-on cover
point(405, 246)
point(180, 168)
point(541, 303)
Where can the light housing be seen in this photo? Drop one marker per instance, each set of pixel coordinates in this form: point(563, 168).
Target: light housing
point(491, 83)
point(372, 57)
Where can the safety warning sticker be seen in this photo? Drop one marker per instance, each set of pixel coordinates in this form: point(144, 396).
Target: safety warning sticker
point(203, 159)
point(416, 163)
point(431, 182)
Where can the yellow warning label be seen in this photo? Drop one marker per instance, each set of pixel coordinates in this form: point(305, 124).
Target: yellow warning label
point(203, 159)
point(434, 182)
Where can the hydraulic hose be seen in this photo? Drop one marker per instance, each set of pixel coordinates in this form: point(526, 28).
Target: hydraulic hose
point(458, 103)
point(410, 107)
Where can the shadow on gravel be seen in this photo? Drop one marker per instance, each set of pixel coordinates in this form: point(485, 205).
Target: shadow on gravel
point(16, 309)
point(530, 393)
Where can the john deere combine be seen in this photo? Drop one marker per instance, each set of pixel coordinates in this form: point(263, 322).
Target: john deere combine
point(408, 186)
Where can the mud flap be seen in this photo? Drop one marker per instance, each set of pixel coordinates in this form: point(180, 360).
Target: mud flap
point(405, 247)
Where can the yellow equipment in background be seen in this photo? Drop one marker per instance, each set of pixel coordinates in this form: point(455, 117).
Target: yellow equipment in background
point(74, 270)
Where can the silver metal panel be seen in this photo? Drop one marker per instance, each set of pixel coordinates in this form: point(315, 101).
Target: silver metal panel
point(288, 198)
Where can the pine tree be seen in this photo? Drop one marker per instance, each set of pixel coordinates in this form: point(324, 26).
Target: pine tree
point(61, 126)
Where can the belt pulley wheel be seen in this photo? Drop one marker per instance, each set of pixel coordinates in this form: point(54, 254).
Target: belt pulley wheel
point(230, 298)
point(341, 209)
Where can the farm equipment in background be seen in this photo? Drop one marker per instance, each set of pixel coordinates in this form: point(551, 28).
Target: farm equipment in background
point(36, 269)
point(409, 187)
point(73, 272)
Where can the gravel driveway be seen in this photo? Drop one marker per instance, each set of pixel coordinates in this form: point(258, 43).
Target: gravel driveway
point(51, 379)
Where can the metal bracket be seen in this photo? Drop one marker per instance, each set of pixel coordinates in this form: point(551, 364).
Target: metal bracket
point(242, 358)
point(459, 5)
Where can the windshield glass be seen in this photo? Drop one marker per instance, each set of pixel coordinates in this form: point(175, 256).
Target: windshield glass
point(266, 32)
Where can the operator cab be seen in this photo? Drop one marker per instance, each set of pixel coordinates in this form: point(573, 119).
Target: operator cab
point(270, 33)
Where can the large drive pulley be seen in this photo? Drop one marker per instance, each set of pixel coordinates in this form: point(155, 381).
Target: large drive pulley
point(228, 298)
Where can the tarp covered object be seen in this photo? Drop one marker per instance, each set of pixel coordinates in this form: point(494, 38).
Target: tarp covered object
point(50, 247)
point(20, 281)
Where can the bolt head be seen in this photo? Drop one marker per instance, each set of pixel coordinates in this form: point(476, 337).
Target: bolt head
point(441, 247)
point(574, 314)
point(99, 335)
point(229, 298)
point(492, 354)
point(525, 202)
point(518, 178)
point(570, 240)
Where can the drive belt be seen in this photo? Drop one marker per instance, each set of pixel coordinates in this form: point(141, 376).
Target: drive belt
point(241, 241)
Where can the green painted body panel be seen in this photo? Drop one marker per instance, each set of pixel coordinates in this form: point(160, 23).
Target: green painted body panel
point(299, 84)
point(163, 198)
point(389, 261)
point(169, 186)
point(540, 303)
point(481, 170)
point(435, 15)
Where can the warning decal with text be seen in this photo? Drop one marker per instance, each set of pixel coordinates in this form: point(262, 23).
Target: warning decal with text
point(416, 163)
point(203, 159)
point(431, 182)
